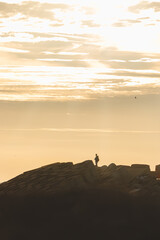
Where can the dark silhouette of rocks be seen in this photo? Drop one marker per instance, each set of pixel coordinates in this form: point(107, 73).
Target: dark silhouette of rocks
point(157, 171)
point(60, 177)
point(81, 201)
point(53, 178)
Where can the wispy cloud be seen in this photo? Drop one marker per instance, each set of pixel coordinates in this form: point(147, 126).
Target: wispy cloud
point(68, 84)
point(145, 5)
point(79, 130)
point(89, 23)
point(77, 50)
point(30, 9)
point(126, 22)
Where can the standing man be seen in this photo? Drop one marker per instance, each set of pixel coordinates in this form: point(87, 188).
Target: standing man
point(96, 160)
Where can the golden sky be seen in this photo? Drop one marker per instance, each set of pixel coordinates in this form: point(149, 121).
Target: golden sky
point(69, 72)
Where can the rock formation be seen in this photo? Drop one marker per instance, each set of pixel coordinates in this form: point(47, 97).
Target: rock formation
point(157, 171)
point(63, 177)
point(81, 201)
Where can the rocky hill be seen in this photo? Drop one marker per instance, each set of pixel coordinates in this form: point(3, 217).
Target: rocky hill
point(63, 177)
point(81, 201)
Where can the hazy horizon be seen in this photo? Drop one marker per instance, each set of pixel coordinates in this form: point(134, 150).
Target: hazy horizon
point(78, 78)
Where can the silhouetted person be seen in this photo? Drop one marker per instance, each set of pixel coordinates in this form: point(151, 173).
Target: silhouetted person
point(96, 160)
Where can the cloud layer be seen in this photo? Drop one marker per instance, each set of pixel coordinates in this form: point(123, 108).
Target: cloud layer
point(145, 5)
point(30, 9)
point(69, 51)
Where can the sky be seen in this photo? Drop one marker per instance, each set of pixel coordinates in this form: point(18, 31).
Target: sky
point(69, 75)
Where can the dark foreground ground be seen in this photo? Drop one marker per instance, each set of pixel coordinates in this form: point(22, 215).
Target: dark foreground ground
point(90, 214)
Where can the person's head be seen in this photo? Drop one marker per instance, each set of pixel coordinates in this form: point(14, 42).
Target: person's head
point(96, 154)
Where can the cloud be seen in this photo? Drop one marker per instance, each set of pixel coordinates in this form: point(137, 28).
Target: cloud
point(54, 53)
point(111, 81)
point(126, 22)
point(130, 22)
point(65, 63)
point(76, 130)
point(31, 9)
point(145, 5)
point(89, 23)
point(129, 64)
point(151, 24)
point(72, 50)
point(143, 18)
point(112, 55)
point(13, 50)
point(116, 59)
point(119, 24)
point(42, 48)
point(88, 10)
point(143, 89)
point(146, 74)
point(66, 85)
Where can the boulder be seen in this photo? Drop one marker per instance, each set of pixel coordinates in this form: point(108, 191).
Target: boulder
point(86, 171)
point(124, 173)
point(112, 166)
point(157, 171)
point(140, 169)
